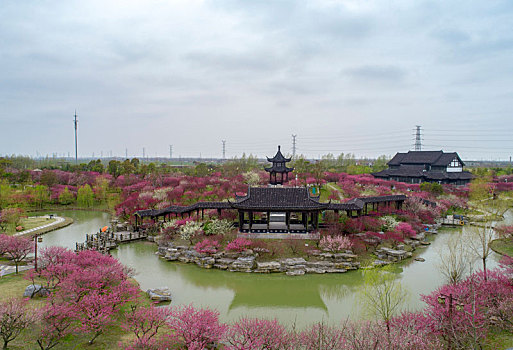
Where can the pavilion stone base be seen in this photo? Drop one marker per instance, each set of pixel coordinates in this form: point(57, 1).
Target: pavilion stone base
point(273, 235)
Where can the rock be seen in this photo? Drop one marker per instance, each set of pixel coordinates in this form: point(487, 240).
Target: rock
point(172, 256)
point(314, 270)
point(345, 266)
point(335, 271)
point(243, 264)
point(150, 238)
point(160, 294)
point(35, 290)
point(425, 243)
point(293, 261)
point(420, 259)
point(419, 236)
point(206, 262)
point(295, 272)
point(400, 246)
point(267, 267)
point(378, 263)
point(319, 264)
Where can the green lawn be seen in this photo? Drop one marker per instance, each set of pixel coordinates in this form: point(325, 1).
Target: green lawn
point(503, 246)
point(29, 223)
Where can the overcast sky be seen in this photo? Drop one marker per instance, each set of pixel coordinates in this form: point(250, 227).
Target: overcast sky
point(344, 76)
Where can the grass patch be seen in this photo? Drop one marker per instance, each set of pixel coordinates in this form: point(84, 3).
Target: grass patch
point(498, 339)
point(503, 246)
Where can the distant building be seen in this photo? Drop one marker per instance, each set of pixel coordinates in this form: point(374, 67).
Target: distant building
point(426, 166)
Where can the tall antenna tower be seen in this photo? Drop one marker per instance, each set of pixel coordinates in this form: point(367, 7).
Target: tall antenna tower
point(144, 153)
point(418, 142)
point(76, 150)
point(294, 146)
point(224, 148)
point(126, 153)
point(170, 151)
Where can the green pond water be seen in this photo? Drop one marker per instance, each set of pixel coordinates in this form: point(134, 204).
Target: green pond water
point(302, 299)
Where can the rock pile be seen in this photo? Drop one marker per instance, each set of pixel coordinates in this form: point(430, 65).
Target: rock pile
point(246, 261)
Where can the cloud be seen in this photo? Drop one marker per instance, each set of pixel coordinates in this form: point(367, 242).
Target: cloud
point(376, 73)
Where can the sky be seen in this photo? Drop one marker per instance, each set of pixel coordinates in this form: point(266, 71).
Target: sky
point(351, 76)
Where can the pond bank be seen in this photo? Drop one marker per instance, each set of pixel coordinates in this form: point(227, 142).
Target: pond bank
point(59, 223)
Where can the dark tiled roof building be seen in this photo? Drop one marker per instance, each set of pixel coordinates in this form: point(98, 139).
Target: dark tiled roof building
point(426, 166)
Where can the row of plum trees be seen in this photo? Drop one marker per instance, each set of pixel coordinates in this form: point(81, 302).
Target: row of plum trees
point(89, 293)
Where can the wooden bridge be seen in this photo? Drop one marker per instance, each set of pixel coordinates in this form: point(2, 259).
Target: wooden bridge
point(105, 241)
point(453, 220)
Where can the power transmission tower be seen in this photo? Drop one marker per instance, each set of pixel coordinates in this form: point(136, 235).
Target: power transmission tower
point(418, 142)
point(170, 151)
point(224, 148)
point(76, 150)
point(294, 146)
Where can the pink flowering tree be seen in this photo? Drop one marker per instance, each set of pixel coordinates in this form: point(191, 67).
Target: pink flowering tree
point(258, 334)
point(56, 322)
point(144, 323)
point(89, 287)
point(238, 245)
point(322, 336)
point(335, 244)
point(16, 248)
point(405, 230)
point(14, 318)
point(207, 246)
point(194, 328)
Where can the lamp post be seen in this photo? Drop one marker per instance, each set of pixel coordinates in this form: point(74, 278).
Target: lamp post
point(37, 238)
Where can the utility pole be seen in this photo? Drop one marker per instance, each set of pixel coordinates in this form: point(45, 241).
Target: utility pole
point(170, 152)
point(294, 146)
point(418, 142)
point(224, 148)
point(76, 150)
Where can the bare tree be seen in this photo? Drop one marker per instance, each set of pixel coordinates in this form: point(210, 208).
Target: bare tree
point(482, 235)
point(454, 260)
point(382, 294)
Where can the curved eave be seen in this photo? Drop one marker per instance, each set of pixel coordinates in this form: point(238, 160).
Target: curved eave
point(279, 170)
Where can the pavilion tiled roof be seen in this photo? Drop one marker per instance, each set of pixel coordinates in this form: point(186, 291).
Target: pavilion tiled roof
point(281, 198)
point(278, 157)
point(277, 169)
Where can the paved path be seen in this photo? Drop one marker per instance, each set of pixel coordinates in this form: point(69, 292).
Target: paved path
point(8, 269)
point(58, 220)
point(336, 190)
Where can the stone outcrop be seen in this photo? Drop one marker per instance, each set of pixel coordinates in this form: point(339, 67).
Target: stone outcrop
point(160, 294)
point(246, 261)
point(392, 255)
point(35, 290)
